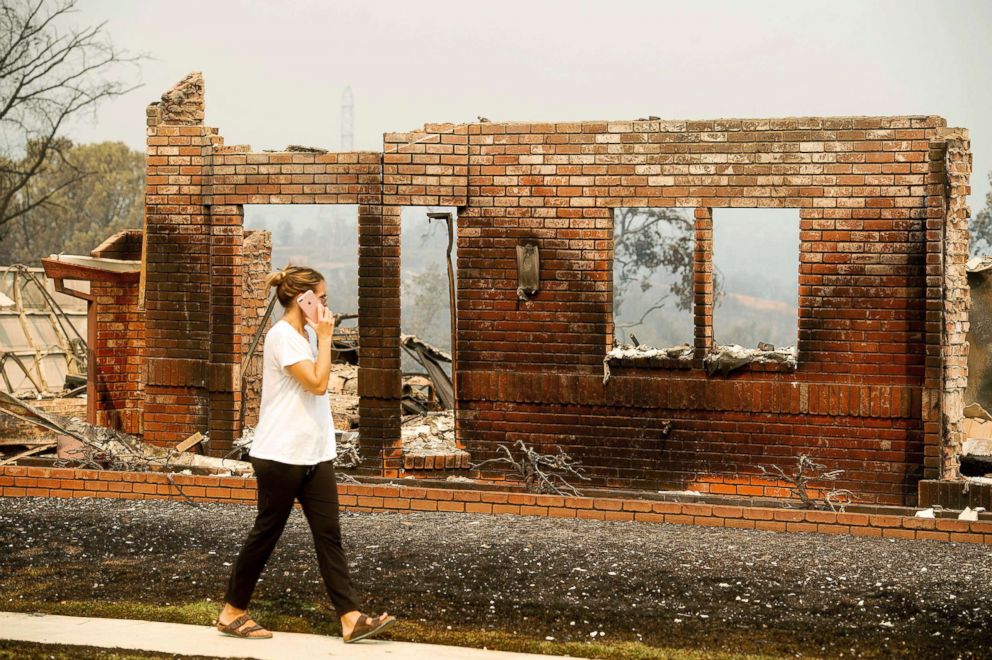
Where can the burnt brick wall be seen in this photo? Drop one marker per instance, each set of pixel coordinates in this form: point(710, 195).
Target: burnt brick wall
point(241, 177)
point(118, 349)
point(880, 315)
point(177, 282)
point(952, 181)
point(257, 264)
point(533, 370)
point(117, 340)
point(196, 190)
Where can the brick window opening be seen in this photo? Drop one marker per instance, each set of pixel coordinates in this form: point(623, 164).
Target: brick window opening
point(426, 338)
point(653, 283)
point(755, 259)
point(325, 238)
point(424, 298)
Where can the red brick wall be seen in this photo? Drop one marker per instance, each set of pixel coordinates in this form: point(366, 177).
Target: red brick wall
point(178, 244)
point(533, 370)
point(196, 191)
point(118, 346)
point(119, 352)
point(875, 357)
point(242, 177)
point(68, 483)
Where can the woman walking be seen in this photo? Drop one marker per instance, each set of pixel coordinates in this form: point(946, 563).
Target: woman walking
point(292, 454)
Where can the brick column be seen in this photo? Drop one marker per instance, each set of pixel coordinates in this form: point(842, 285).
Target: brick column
point(703, 283)
point(223, 368)
point(177, 246)
point(956, 297)
point(379, 379)
point(256, 265)
point(118, 348)
point(934, 212)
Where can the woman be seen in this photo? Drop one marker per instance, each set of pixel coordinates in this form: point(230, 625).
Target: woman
point(292, 454)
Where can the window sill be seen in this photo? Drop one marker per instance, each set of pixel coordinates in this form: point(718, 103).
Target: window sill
point(727, 359)
point(722, 360)
point(676, 358)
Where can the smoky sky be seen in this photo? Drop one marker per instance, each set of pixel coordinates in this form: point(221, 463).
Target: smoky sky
point(275, 71)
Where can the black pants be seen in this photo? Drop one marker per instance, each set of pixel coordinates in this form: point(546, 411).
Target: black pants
point(279, 484)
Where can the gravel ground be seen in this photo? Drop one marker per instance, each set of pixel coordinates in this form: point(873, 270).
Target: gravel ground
point(571, 580)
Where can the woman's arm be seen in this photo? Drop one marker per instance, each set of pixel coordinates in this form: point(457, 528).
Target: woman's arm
point(313, 376)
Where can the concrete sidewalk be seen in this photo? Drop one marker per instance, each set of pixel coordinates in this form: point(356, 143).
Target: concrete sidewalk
point(202, 640)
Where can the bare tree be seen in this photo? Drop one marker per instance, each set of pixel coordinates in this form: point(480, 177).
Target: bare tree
point(50, 74)
point(807, 472)
point(646, 240)
point(547, 474)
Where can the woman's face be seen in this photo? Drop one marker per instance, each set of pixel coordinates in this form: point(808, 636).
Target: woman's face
point(321, 292)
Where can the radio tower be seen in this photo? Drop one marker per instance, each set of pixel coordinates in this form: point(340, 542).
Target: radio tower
point(347, 120)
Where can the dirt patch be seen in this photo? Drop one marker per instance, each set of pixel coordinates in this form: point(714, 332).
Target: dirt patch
point(538, 578)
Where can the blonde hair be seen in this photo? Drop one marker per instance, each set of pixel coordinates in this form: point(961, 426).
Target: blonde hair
point(291, 281)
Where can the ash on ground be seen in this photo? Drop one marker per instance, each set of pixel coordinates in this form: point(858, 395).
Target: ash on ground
point(742, 591)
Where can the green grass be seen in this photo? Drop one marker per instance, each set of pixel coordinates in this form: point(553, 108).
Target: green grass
point(13, 650)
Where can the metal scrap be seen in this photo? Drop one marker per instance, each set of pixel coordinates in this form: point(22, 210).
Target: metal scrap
point(430, 358)
point(68, 344)
point(107, 448)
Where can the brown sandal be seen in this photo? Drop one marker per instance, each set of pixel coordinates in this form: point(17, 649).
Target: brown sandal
point(366, 627)
point(234, 628)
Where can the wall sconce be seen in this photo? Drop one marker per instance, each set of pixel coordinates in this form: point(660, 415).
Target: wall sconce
point(528, 269)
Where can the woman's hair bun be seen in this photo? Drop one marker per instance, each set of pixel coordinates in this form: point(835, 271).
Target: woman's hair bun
point(291, 281)
point(275, 279)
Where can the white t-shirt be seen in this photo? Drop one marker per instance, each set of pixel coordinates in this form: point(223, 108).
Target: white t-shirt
point(294, 425)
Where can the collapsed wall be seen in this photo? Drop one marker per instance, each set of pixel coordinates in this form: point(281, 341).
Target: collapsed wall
point(257, 255)
point(117, 342)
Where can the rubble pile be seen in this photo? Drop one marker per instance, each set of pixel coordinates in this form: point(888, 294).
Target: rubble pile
point(430, 433)
point(976, 451)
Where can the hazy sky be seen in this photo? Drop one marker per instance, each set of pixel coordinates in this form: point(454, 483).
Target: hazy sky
point(275, 70)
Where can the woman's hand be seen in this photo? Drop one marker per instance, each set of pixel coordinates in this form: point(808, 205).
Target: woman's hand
point(324, 325)
point(313, 376)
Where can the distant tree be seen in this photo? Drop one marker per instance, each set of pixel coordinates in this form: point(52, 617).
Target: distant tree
point(425, 312)
point(49, 76)
point(645, 240)
point(285, 234)
point(310, 238)
point(981, 226)
point(94, 191)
